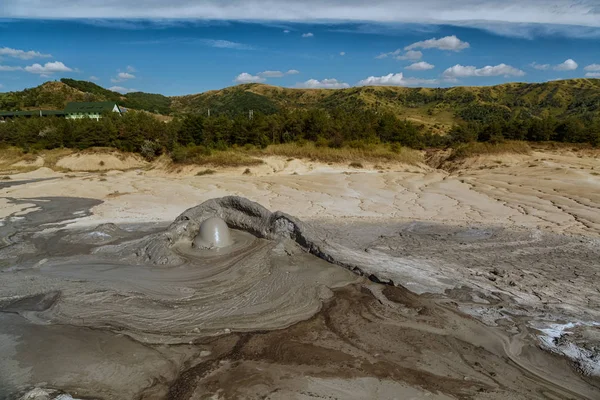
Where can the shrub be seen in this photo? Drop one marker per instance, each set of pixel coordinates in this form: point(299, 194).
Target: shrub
point(190, 154)
point(150, 150)
point(322, 142)
point(475, 149)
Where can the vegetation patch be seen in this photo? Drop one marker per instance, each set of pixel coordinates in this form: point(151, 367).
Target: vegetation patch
point(235, 126)
point(201, 155)
point(478, 149)
point(368, 152)
point(206, 172)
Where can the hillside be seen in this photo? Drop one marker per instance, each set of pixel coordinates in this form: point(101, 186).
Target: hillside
point(55, 95)
point(436, 108)
point(50, 95)
point(576, 97)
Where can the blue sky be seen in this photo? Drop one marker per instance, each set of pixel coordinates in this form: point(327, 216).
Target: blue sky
point(133, 48)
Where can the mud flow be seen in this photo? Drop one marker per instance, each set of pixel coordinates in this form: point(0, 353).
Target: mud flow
point(232, 301)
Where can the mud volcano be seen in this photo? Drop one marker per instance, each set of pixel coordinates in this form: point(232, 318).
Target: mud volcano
point(234, 301)
point(213, 234)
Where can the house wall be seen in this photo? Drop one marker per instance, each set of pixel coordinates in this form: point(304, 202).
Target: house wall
point(95, 116)
point(85, 115)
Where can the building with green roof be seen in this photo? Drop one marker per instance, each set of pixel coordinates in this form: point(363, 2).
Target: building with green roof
point(32, 113)
point(72, 111)
point(90, 110)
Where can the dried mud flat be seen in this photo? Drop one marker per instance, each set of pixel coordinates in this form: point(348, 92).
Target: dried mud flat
point(296, 309)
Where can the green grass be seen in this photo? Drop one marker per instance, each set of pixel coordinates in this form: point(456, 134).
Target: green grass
point(206, 172)
point(369, 153)
point(477, 149)
point(198, 155)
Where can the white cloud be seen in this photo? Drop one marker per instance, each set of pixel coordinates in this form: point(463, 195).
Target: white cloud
point(460, 71)
point(397, 79)
point(411, 55)
point(307, 35)
point(94, 78)
point(121, 89)
point(225, 44)
point(457, 12)
point(323, 84)
point(286, 31)
point(531, 30)
point(130, 69)
point(271, 74)
point(22, 54)
point(245, 77)
point(593, 67)
point(420, 66)
point(541, 67)
point(48, 68)
point(342, 53)
point(593, 75)
point(1, 85)
point(123, 76)
point(8, 68)
point(390, 54)
point(568, 65)
point(277, 74)
point(451, 43)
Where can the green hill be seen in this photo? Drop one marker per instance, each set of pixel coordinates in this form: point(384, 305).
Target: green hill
point(55, 95)
point(437, 109)
point(50, 95)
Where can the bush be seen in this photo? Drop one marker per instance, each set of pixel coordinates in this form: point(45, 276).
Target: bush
point(475, 149)
point(322, 142)
point(189, 154)
point(150, 150)
point(396, 148)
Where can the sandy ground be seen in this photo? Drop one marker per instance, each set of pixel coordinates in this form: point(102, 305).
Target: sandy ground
point(502, 252)
point(546, 191)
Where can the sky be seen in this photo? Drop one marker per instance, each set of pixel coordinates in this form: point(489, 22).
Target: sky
point(190, 46)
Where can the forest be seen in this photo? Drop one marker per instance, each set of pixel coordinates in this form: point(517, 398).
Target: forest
point(200, 134)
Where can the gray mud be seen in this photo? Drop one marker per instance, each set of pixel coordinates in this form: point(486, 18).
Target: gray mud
point(293, 309)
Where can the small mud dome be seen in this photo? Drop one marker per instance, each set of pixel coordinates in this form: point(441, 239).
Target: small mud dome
point(234, 301)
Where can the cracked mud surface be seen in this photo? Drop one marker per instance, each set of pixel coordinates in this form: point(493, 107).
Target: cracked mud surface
point(495, 286)
point(134, 312)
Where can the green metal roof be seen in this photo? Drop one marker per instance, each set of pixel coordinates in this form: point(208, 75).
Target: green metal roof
point(31, 113)
point(90, 108)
